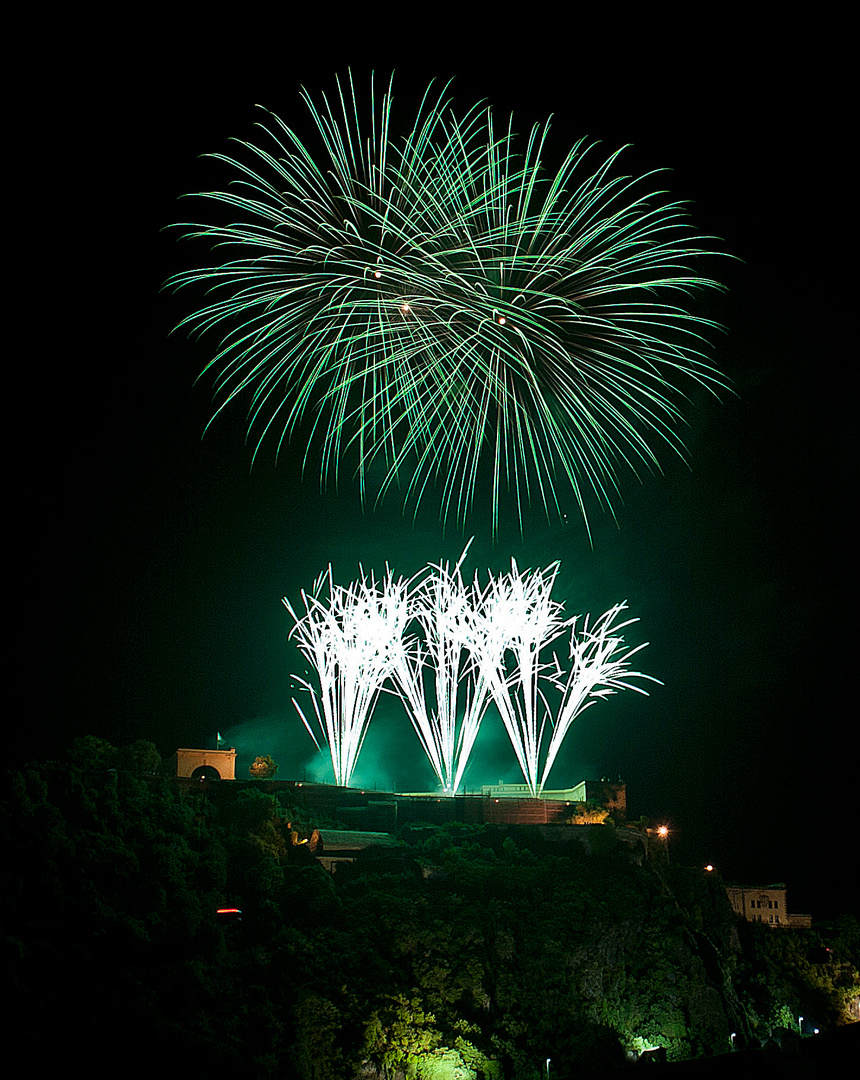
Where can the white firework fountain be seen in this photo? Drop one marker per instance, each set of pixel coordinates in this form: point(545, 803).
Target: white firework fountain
point(475, 646)
point(351, 637)
point(443, 607)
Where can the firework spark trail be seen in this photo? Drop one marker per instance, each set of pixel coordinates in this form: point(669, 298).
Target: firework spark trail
point(443, 300)
point(351, 639)
point(492, 639)
point(443, 607)
point(598, 670)
point(519, 617)
point(406, 672)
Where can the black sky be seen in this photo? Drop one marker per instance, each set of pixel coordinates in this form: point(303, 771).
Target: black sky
point(160, 558)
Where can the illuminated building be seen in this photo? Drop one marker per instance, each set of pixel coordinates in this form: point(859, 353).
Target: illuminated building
point(206, 764)
point(764, 904)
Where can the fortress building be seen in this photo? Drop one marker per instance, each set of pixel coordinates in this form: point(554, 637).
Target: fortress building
point(612, 796)
point(206, 764)
point(764, 904)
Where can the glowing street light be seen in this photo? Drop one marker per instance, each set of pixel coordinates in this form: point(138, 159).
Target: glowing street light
point(661, 834)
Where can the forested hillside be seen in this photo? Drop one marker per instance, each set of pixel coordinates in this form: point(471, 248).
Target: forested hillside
point(467, 951)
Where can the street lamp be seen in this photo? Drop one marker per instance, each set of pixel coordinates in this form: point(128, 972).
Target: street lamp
point(548, 1060)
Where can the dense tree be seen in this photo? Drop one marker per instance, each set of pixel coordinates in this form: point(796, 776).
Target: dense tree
point(264, 768)
point(477, 951)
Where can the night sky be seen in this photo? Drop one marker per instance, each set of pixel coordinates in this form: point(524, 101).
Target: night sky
point(162, 558)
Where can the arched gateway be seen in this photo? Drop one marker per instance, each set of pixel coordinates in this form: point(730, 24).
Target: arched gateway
point(206, 764)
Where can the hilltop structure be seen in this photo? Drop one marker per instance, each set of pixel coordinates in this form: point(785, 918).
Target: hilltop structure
point(765, 904)
point(205, 764)
point(588, 802)
point(370, 818)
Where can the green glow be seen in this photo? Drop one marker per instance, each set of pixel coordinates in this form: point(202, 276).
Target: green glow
point(446, 306)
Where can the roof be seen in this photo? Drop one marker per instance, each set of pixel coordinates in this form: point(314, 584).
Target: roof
point(353, 840)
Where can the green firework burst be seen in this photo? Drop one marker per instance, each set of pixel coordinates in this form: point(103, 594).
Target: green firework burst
point(444, 306)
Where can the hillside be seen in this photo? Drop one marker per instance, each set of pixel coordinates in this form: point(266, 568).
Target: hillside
point(464, 951)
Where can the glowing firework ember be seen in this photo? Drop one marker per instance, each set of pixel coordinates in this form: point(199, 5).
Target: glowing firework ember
point(445, 306)
point(357, 641)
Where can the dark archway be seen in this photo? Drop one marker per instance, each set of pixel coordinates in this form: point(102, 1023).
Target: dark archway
point(205, 772)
